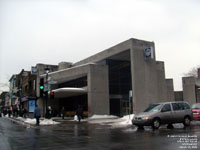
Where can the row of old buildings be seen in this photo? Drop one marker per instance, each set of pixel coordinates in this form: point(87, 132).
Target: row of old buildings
point(119, 80)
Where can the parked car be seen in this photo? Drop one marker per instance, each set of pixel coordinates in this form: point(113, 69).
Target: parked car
point(196, 111)
point(164, 113)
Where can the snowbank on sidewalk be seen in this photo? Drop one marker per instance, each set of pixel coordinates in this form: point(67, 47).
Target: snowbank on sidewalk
point(48, 122)
point(42, 121)
point(113, 121)
point(103, 117)
point(126, 120)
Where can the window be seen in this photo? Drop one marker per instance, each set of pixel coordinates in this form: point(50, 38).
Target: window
point(181, 106)
point(175, 106)
point(186, 106)
point(153, 108)
point(166, 108)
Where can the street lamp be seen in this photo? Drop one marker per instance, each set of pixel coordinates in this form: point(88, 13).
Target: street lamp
point(46, 71)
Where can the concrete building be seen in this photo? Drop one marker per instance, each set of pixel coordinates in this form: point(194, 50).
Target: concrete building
point(101, 83)
point(178, 95)
point(191, 89)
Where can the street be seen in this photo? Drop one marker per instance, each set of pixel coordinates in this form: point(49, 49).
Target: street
point(72, 135)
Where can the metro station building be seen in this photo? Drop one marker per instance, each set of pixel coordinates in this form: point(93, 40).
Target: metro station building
point(108, 82)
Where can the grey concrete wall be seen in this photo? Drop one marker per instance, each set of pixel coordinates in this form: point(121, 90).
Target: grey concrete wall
point(69, 74)
point(189, 90)
point(64, 65)
point(98, 90)
point(144, 76)
point(161, 82)
point(107, 53)
point(170, 90)
point(178, 95)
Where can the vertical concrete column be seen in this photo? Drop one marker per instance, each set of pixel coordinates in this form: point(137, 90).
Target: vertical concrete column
point(98, 90)
point(162, 87)
point(170, 90)
point(144, 76)
point(189, 93)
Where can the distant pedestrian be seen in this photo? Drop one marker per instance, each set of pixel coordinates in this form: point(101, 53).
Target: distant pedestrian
point(49, 112)
point(79, 113)
point(9, 112)
point(63, 112)
point(4, 112)
point(17, 111)
point(37, 114)
point(24, 112)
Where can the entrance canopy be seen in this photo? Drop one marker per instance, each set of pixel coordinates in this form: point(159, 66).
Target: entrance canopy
point(68, 92)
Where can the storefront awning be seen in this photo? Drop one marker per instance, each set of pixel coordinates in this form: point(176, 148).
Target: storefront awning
point(68, 92)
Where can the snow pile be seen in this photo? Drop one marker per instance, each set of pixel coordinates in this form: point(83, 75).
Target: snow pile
point(103, 117)
point(42, 121)
point(113, 121)
point(126, 120)
point(48, 122)
point(75, 118)
point(30, 121)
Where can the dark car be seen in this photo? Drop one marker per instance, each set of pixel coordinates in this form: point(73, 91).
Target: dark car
point(164, 113)
point(196, 111)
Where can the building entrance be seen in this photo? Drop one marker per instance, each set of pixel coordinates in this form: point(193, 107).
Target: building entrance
point(71, 104)
point(120, 107)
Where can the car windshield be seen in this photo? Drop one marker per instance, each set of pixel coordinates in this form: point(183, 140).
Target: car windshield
point(196, 106)
point(153, 108)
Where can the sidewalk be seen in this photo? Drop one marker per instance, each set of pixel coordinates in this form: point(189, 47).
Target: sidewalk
point(28, 122)
point(112, 121)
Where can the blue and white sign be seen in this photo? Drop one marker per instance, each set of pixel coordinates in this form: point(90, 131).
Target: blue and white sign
point(31, 105)
point(47, 87)
point(148, 53)
point(34, 70)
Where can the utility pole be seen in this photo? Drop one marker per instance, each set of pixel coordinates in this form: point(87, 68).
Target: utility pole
point(46, 90)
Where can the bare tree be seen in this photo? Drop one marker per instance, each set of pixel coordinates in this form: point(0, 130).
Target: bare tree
point(193, 72)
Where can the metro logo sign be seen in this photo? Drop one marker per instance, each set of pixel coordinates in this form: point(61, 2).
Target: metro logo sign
point(148, 53)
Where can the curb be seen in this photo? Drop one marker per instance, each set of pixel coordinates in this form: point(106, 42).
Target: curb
point(27, 125)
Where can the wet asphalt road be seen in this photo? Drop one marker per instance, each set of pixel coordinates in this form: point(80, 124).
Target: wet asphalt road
point(84, 136)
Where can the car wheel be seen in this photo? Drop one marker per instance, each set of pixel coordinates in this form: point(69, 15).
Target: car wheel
point(186, 121)
point(156, 123)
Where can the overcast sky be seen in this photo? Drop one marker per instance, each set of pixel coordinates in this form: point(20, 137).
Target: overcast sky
point(51, 31)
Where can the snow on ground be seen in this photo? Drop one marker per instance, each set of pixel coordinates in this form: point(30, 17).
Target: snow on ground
point(48, 122)
point(113, 121)
point(42, 121)
point(103, 117)
point(33, 121)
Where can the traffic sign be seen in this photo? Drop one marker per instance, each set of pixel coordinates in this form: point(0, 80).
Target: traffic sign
point(47, 87)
